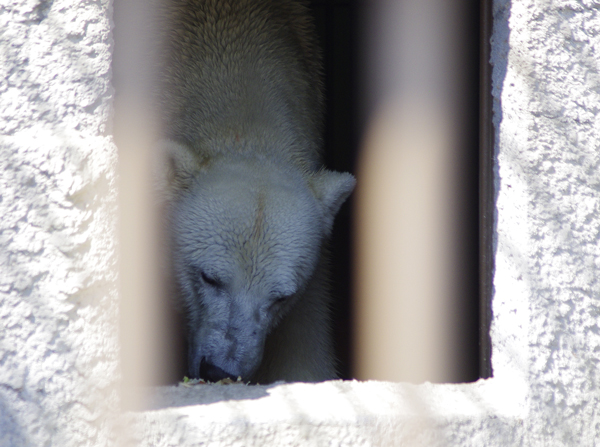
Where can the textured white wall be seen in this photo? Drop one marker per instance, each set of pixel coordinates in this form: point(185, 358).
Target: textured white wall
point(58, 345)
point(58, 337)
point(547, 88)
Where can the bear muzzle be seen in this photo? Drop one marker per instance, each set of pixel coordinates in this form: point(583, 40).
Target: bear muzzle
point(212, 373)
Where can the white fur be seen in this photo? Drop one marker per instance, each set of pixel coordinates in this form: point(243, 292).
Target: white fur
point(249, 203)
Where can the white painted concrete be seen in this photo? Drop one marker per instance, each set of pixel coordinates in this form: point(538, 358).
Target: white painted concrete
point(58, 302)
point(58, 345)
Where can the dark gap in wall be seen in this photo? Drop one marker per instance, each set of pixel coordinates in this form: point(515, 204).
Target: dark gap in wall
point(486, 189)
point(471, 370)
point(336, 26)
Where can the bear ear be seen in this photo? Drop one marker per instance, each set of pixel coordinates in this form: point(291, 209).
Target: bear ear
point(174, 167)
point(331, 189)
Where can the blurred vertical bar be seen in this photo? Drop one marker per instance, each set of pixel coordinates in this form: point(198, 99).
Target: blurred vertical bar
point(409, 242)
point(142, 324)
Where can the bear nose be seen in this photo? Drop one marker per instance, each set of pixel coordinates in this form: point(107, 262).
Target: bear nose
point(213, 373)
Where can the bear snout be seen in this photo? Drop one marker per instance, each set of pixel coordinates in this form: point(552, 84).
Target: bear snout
point(213, 373)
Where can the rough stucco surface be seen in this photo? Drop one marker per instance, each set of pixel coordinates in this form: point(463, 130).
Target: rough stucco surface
point(547, 85)
point(58, 346)
point(335, 413)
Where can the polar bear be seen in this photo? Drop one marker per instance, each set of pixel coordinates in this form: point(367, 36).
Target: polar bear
point(249, 204)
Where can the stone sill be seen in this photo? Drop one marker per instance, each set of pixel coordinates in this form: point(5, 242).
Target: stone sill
point(330, 413)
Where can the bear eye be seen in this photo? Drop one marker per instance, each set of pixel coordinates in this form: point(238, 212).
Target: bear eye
point(210, 280)
point(281, 299)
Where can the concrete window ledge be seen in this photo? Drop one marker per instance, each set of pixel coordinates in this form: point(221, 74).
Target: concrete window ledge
point(334, 413)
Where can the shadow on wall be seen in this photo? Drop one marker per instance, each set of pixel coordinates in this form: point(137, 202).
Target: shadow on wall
point(202, 394)
point(11, 433)
point(500, 18)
